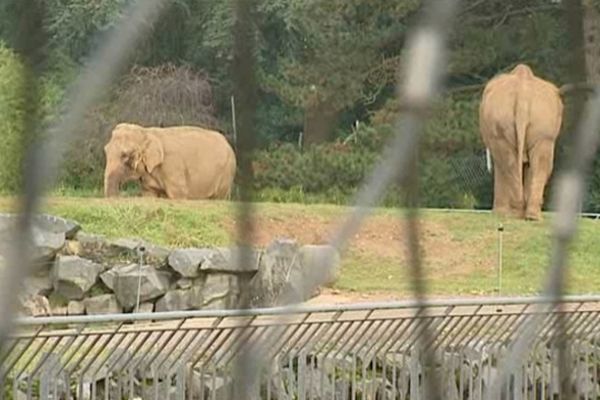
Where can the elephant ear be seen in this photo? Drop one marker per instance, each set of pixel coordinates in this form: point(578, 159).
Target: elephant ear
point(152, 153)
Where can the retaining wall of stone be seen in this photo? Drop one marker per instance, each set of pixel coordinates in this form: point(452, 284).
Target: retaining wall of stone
point(81, 273)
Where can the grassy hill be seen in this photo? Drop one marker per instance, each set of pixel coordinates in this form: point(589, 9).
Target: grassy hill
point(460, 250)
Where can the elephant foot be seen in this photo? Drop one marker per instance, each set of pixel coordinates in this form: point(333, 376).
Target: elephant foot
point(502, 211)
point(531, 215)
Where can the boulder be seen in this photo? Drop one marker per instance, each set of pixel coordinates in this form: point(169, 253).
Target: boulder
point(103, 304)
point(39, 283)
point(214, 291)
point(90, 242)
point(48, 233)
point(147, 307)
point(35, 306)
point(72, 248)
point(51, 223)
point(108, 277)
point(315, 258)
point(74, 276)
point(186, 262)
point(59, 311)
point(289, 273)
point(76, 308)
point(153, 284)
point(130, 247)
point(184, 283)
point(279, 265)
point(175, 300)
point(47, 244)
point(227, 260)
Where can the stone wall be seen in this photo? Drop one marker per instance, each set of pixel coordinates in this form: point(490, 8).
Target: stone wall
point(81, 273)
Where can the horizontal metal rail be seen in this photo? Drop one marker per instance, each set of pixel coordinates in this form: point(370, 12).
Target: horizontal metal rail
point(349, 351)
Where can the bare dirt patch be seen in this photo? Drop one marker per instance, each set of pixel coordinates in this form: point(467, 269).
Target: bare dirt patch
point(380, 237)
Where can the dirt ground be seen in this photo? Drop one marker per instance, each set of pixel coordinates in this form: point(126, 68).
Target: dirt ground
point(383, 236)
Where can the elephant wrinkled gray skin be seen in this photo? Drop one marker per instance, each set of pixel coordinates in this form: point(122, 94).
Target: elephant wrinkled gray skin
point(182, 162)
point(520, 118)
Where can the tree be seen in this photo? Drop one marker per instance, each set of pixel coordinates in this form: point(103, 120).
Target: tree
point(332, 54)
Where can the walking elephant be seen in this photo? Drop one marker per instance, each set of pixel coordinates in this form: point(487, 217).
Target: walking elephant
point(182, 162)
point(520, 118)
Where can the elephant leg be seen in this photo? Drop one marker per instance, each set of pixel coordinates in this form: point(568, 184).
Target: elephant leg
point(178, 192)
point(508, 187)
point(149, 193)
point(541, 159)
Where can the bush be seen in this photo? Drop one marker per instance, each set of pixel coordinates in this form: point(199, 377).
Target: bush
point(333, 173)
point(12, 111)
point(150, 96)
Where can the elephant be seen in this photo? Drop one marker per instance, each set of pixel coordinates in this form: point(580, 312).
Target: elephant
point(520, 117)
point(177, 162)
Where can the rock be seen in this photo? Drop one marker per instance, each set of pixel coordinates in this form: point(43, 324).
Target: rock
point(214, 291)
point(315, 258)
point(72, 248)
point(145, 308)
point(90, 241)
point(59, 311)
point(74, 276)
point(47, 244)
point(279, 265)
point(175, 300)
point(184, 283)
point(35, 306)
point(290, 274)
point(153, 284)
point(58, 225)
point(186, 262)
point(152, 254)
point(227, 260)
point(103, 304)
point(108, 277)
point(39, 283)
point(75, 308)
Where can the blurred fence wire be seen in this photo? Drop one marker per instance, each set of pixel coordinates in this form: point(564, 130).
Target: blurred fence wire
point(418, 350)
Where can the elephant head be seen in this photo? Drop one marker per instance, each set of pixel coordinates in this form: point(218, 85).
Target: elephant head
point(131, 153)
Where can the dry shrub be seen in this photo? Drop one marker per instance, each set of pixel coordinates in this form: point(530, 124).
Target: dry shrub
point(166, 95)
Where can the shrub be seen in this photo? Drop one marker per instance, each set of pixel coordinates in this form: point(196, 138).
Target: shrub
point(334, 172)
point(150, 96)
point(12, 111)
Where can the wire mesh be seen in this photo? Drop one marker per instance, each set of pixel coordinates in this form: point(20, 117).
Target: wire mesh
point(418, 350)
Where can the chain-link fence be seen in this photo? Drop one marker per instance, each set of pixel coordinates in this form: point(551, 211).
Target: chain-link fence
point(540, 348)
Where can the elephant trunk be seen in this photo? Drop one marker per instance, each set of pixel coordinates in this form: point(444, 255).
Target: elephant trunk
point(112, 182)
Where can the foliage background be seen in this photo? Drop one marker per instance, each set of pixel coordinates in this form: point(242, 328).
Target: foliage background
point(323, 65)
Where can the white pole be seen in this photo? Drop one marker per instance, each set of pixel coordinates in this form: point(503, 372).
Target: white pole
point(500, 234)
point(300, 140)
point(140, 251)
point(488, 160)
point(233, 121)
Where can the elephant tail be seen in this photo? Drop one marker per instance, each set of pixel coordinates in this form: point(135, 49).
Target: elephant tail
point(521, 123)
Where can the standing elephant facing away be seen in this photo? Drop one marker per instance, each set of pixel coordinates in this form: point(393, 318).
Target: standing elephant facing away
point(182, 162)
point(520, 118)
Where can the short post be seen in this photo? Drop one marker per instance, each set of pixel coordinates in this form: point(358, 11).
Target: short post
point(500, 237)
point(140, 252)
point(233, 121)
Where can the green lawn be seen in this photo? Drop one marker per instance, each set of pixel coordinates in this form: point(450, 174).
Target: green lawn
point(460, 251)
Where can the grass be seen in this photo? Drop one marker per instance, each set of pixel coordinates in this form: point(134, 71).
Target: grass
point(460, 250)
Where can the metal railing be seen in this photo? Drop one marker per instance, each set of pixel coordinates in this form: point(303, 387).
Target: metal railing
point(360, 351)
point(510, 348)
